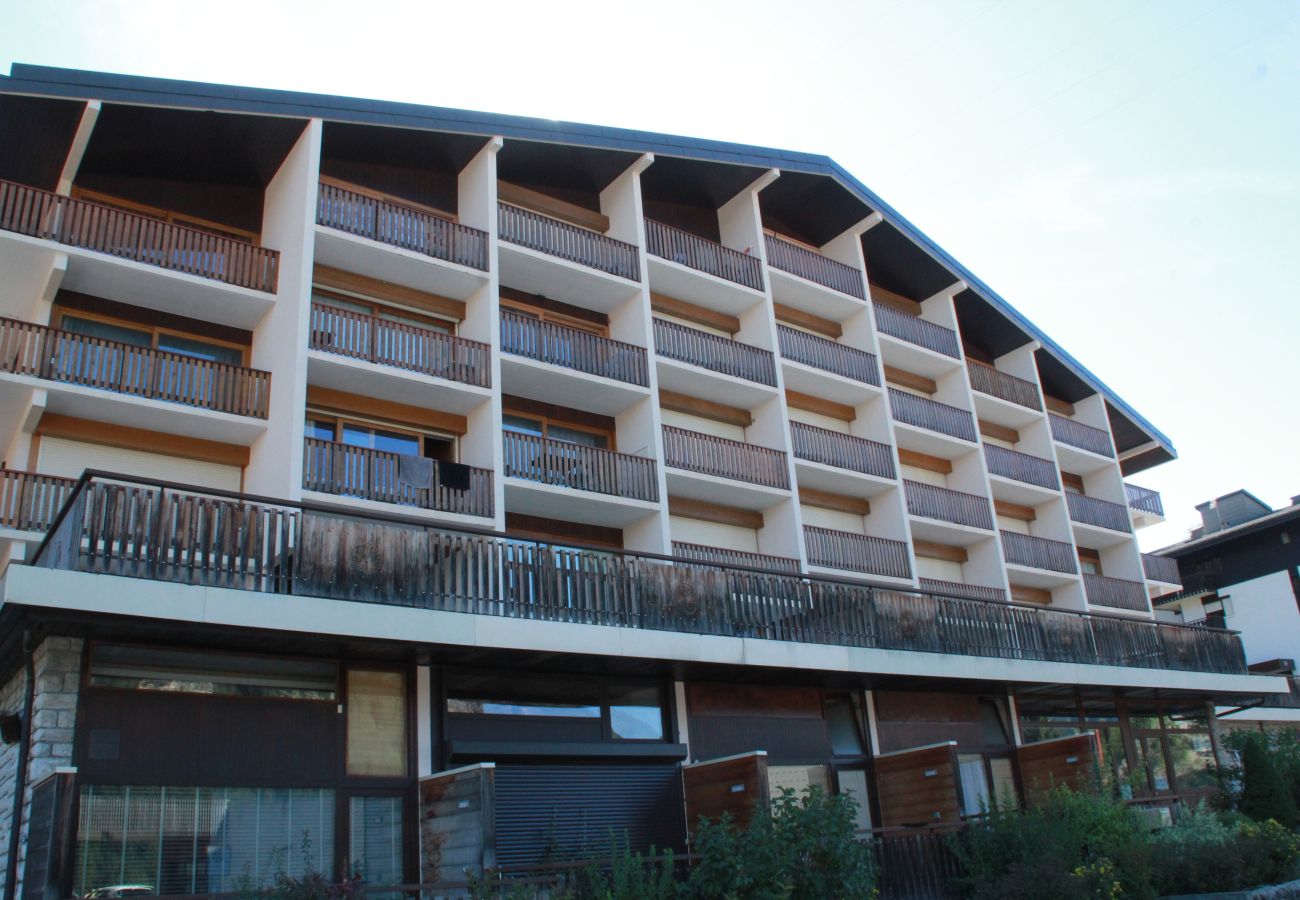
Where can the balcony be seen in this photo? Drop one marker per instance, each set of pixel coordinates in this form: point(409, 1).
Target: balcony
point(703, 255)
point(1161, 568)
point(827, 355)
point(734, 558)
point(573, 243)
point(1076, 434)
point(1038, 553)
point(965, 591)
point(706, 454)
point(922, 412)
point(60, 356)
point(850, 552)
point(947, 505)
point(843, 451)
point(138, 238)
point(918, 331)
point(29, 501)
point(996, 383)
point(582, 468)
point(399, 345)
point(181, 537)
point(1021, 467)
point(1099, 513)
point(572, 348)
point(400, 225)
point(812, 266)
point(346, 471)
point(713, 352)
point(1144, 501)
point(1116, 593)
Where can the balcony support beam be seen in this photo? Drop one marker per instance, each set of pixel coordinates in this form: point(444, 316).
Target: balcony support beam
point(80, 140)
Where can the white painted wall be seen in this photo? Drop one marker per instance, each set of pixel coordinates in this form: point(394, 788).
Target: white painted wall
point(58, 456)
point(1264, 611)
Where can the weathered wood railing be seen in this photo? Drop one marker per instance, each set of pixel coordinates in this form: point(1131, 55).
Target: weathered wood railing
point(811, 265)
point(1116, 593)
point(29, 501)
point(844, 451)
point(217, 539)
point(827, 355)
point(1095, 511)
point(54, 355)
point(916, 330)
point(578, 466)
point(1038, 552)
point(1161, 568)
point(923, 412)
point(1021, 467)
point(703, 255)
point(334, 468)
point(856, 552)
point(947, 505)
point(1144, 499)
point(710, 455)
point(145, 239)
point(988, 380)
point(401, 225)
point(535, 231)
point(1077, 434)
point(915, 863)
point(714, 352)
point(400, 345)
point(572, 348)
point(960, 589)
point(741, 558)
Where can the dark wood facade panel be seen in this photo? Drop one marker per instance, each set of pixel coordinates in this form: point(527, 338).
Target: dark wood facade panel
point(1063, 762)
point(457, 820)
point(919, 787)
point(733, 785)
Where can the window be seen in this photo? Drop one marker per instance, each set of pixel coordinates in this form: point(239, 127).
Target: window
point(626, 712)
point(376, 723)
point(974, 784)
point(366, 329)
point(325, 426)
point(152, 337)
point(636, 713)
point(188, 671)
point(375, 839)
point(541, 427)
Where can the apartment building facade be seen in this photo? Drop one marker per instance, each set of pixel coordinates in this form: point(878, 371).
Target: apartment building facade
point(399, 490)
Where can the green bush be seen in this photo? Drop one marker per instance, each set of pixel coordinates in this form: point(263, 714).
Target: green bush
point(1265, 793)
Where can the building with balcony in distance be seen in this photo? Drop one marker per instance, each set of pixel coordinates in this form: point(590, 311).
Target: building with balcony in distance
point(401, 490)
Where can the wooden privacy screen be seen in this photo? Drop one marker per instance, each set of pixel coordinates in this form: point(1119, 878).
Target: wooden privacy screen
point(1060, 762)
point(919, 786)
point(733, 784)
point(457, 823)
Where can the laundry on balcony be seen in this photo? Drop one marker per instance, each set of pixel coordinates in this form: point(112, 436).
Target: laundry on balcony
point(453, 476)
point(417, 471)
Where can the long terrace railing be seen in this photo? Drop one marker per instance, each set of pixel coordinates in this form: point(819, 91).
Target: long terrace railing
point(695, 451)
point(843, 451)
point(1095, 511)
point(578, 466)
point(703, 255)
point(714, 352)
point(145, 239)
point(1077, 434)
point(740, 558)
point(572, 348)
point(922, 412)
point(333, 468)
point(398, 344)
point(1021, 467)
point(1161, 568)
point(188, 536)
point(811, 265)
point(947, 505)
point(916, 330)
point(1144, 499)
point(1116, 593)
point(996, 383)
point(827, 355)
point(1038, 552)
point(401, 225)
point(852, 552)
point(553, 237)
point(29, 501)
point(55, 355)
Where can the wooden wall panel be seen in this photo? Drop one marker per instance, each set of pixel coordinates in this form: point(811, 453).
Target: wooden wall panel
point(1062, 762)
point(736, 785)
point(919, 787)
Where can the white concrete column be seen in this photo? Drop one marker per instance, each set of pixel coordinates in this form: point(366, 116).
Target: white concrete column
point(80, 140)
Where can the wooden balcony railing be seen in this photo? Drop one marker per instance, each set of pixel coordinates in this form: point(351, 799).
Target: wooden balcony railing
point(1144, 499)
point(827, 355)
point(856, 552)
point(996, 383)
point(1021, 467)
point(809, 264)
point(572, 348)
point(333, 468)
point(54, 355)
point(1077, 434)
point(553, 237)
point(958, 589)
point(844, 451)
point(1038, 552)
point(695, 451)
point(400, 225)
point(580, 467)
point(400, 345)
point(1116, 593)
point(916, 330)
point(923, 412)
point(703, 255)
point(1095, 511)
point(738, 558)
point(180, 535)
point(947, 505)
point(30, 501)
point(1161, 568)
point(714, 352)
point(105, 229)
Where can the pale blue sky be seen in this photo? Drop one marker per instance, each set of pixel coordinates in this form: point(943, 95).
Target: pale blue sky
point(1125, 173)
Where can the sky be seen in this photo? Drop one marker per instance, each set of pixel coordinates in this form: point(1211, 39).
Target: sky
point(1124, 172)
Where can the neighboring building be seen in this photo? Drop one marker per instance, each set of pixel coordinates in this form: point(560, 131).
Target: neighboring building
point(1241, 570)
point(464, 487)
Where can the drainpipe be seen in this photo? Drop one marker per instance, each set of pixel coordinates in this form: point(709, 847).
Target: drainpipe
point(20, 771)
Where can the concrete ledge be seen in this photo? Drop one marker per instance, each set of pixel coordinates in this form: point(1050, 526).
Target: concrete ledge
point(1288, 891)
